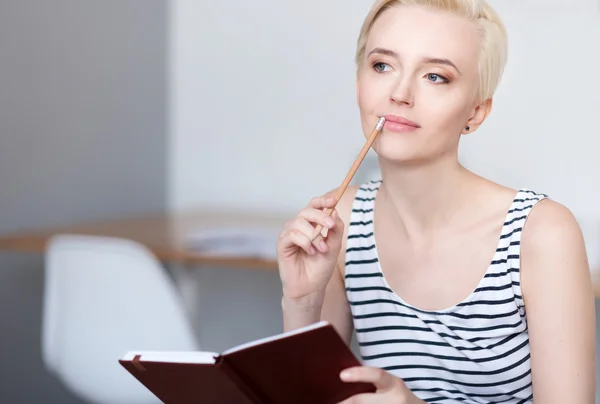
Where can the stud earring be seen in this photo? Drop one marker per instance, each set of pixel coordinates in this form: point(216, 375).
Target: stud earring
point(467, 128)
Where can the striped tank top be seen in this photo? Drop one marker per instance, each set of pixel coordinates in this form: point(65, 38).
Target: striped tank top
point(474, 352)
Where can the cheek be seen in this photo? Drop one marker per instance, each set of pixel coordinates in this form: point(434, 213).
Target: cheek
point(444, 111)
point(365, 97)
point(371, 95)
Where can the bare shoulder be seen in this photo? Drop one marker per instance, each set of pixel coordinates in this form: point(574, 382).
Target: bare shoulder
point(552, 246)
point(344, 206)
point(551, 224)
point(559, 299)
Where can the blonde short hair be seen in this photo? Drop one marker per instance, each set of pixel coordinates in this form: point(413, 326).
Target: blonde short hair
point(493, 54)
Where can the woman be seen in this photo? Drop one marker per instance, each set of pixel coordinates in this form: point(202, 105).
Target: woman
point(459, 289)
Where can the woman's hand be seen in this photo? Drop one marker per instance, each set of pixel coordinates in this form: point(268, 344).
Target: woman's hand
point(390, 389)
point(306, 266)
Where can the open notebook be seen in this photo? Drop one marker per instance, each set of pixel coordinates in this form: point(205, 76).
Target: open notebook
point(300, 366)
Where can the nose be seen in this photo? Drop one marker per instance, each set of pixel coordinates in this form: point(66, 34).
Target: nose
point(402, 92)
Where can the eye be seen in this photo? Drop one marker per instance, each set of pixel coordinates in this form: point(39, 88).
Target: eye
point(380, 67)
point(436, 78)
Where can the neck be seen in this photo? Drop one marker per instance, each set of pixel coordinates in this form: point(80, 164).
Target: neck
point(425, 198)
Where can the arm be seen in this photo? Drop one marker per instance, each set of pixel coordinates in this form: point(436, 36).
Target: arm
point(333, 306)
point(336, 309)
point(559, 302)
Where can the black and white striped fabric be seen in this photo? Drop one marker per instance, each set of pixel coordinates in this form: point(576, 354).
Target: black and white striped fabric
point(474, 352)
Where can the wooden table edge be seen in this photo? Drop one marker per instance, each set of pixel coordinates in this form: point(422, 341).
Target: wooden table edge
point(37, 244)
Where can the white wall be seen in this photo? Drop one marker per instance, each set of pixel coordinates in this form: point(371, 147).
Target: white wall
point(263, 101)
point(264, 114)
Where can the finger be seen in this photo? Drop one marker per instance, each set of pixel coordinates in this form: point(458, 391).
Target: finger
point(303, 226)
point(382, 380)
point(323, 202)
point(318, 217)
point(324, 221)
point(336, 233)
point(326, 204)
point(333, 236)
point(294, 238)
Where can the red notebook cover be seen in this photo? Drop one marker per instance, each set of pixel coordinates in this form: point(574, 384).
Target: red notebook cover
point(298, 367)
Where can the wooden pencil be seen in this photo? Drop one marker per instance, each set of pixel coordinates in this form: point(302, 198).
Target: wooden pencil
point(352, 171)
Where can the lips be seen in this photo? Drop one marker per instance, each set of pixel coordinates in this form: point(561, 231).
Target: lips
point(395, 123)
point(400, 120)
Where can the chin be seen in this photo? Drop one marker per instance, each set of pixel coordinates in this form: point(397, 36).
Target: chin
point(398, 147)
point(396, 157)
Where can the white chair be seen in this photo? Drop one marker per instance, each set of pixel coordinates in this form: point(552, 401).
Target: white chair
point(104, 297)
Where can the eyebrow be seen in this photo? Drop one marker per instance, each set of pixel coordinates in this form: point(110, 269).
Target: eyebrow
point(427, 60)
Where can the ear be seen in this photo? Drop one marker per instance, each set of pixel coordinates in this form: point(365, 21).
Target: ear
point(480, 114)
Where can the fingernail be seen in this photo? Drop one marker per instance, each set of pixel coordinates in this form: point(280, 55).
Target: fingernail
point(329, 222)
point(345, 375)
point(323, 246)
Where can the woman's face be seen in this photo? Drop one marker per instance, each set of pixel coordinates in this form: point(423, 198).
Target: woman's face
point(420, 65)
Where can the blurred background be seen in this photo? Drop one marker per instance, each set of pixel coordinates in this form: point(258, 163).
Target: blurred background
point(117, 109)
